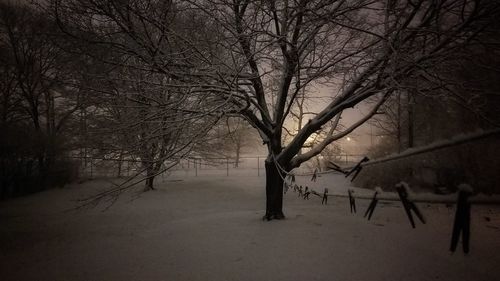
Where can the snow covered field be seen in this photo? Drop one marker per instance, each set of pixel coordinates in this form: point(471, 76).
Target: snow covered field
point(210, 228)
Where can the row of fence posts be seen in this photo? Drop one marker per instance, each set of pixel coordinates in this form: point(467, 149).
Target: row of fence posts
point(89, 167)
point(88, 162)
point(461, 223)
point(198, 162)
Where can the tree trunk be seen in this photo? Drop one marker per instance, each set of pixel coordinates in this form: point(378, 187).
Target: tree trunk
point(399, 123)
point(410, 121)
point(237, 158)
point(42, 173)
point(274, 192)
point(149, 184)
point(150, 179)
point(120, 164)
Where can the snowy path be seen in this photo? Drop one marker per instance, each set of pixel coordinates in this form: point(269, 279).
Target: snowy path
point(210, 229)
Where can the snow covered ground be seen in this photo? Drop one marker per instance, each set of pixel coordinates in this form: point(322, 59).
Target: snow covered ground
point(210, 228)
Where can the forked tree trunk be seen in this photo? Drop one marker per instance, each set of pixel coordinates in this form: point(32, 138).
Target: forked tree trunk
point(274, 192)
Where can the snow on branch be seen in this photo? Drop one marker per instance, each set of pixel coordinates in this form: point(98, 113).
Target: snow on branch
point(457, 140)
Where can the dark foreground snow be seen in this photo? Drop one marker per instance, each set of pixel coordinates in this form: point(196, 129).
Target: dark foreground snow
point(210, 229)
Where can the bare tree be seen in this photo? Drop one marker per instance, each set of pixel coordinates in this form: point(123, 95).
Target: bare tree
point(391, 122)
point(150, 105)
point(232, 136)
point(156, 124)
point(259, 56)
point(364, 48)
